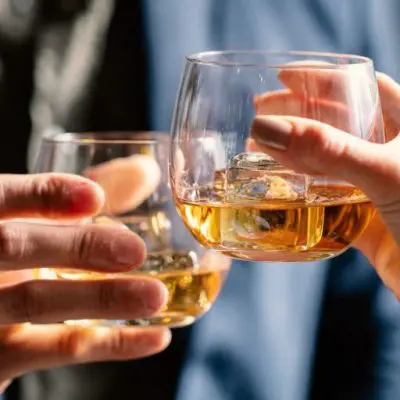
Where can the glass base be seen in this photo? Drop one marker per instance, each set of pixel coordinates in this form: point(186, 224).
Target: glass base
point(283, 256)
point(171, 320)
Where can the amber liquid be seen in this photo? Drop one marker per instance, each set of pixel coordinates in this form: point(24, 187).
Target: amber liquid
point(279, 229)
point(190, 295)
point(192, 288)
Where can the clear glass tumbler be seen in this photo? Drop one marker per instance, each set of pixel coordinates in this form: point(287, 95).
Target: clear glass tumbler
point(132, 169)
point(241, 202)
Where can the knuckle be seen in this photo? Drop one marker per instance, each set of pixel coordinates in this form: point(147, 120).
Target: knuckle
point(27, 303)
point(78, 344)
point(48, 191)
point(83, 246)
point(320, 141)
point(317, 138)
point(12, 244)
point(119, 344)
point(108, 297)
point(73, 344)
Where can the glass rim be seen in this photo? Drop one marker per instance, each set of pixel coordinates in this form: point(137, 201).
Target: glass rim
point(349, 60)
point(116, 137)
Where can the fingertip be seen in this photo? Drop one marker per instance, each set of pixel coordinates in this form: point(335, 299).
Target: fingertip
point(56, 196)
point(256, 102)
point(389, 91)
point(153, 340)
point(155, 295)
point(381, 76)
point(285, 75)
point(128, 249)
point(4, 385)
point(86, 198)
point(141, 251)
point(137, 343)
point(145, 295)
point(165, 338)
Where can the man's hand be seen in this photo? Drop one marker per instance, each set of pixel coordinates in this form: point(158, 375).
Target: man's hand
point(25, 245)
point(285, 131)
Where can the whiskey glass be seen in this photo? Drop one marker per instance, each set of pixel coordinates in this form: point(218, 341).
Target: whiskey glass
point(132, 169)
point(240, 201)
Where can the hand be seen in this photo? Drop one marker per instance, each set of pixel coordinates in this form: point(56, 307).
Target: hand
point(316, 148)
point(126, 181)
point(23, 245)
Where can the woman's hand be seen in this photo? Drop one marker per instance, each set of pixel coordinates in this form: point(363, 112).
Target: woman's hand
point(316, 148)
point(24, 245)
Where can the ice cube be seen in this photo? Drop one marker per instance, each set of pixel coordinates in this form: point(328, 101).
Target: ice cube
point(254, 160)
point(164, 261)
point(257, 176)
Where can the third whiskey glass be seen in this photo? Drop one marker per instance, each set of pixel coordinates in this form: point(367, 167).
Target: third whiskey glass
point(241, 202)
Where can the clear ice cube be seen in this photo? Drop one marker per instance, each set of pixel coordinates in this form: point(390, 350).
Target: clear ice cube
point(257, 176)
point(163, 261)
point(254, 160)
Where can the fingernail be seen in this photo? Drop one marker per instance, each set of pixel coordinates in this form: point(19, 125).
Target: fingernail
point(154, 296)
point(128, 249)
point(4, 386)
point(271, 131)
point(129, 253)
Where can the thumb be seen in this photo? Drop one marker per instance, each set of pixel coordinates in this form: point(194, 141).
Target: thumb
point(315, 148)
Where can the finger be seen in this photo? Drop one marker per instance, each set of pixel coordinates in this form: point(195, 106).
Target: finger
point(317, 79)
point(4, 385)
point(287, 103)
point(353, 87)
point(389, 91)
point(27, 348)
point(92, 247)
point(377, 243)
point(57, 196)
point(127, 182)
point(315, 148)
point(51, 301)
